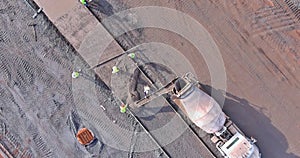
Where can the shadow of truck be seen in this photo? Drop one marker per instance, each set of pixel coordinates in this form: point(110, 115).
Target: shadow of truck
point(254, 123)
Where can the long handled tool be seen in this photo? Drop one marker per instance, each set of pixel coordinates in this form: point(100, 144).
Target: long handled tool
point(36, 12)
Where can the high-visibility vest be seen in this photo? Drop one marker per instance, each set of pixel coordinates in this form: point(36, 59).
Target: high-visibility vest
point(123, 108)
point(146, 89)
point(131, 55)
point(83, 2)
point(115, 69)
point(75, 74)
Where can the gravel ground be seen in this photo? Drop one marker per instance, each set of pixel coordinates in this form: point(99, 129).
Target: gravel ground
point(40, 113)
point(35, 83)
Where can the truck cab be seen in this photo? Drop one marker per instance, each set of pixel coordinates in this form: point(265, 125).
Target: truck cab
point(238, 146)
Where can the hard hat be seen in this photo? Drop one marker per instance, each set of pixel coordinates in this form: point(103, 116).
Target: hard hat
point(75, 74)
point(115, 69)
point(146, 88)
point(131, 55)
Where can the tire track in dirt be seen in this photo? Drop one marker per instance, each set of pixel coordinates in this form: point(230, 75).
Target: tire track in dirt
point(281, 70)
point(275, 19)
point(274, 37)
point(294, 5)
point(26, 125)
point(24, 76)
point(12, 144)
point(40, 79)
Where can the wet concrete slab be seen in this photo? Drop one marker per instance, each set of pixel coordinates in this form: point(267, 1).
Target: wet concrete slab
point(81, 29)
point(56, 8)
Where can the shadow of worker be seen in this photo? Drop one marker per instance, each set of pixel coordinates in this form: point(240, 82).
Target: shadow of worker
point(254, 123)
point(101, 6)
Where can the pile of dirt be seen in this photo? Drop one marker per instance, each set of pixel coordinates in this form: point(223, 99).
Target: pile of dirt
point(151, 74)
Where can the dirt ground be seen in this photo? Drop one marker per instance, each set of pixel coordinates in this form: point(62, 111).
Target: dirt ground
point(258, 40)
point(40, 114)
point(259, 43)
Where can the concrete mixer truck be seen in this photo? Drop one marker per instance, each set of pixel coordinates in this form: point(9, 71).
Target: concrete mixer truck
point(207, 114)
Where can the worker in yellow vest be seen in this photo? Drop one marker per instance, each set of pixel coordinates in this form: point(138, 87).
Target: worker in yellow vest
point(123, 108)
point(75, 74)
point(115, 69)
point(84, 2)
point(131, 55)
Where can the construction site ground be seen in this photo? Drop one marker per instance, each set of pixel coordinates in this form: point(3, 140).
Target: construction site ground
point(42, 107)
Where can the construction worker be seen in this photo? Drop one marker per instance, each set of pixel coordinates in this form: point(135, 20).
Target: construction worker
point(84, 2)
point(131, 55)
point(75, 74)
point(123, 108)
point(115, 69)
point(146, 90)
